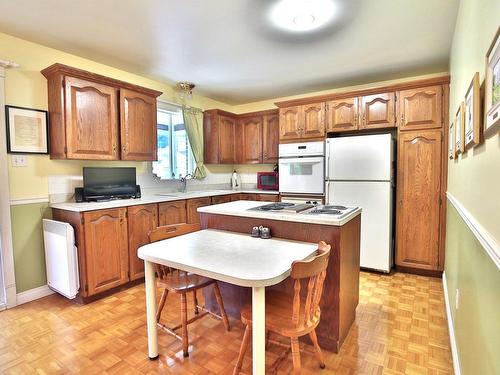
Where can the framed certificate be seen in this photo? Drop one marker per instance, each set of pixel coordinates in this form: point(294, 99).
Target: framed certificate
point(471, 113)
point(492, 83)
point(27, 130)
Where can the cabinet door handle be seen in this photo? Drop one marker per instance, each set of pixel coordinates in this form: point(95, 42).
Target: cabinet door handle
point(402, 119)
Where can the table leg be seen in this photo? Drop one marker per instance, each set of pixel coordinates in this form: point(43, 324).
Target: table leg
point(259, 330)
point(149, 271)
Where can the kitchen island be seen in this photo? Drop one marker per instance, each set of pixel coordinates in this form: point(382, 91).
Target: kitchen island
point(341, 287)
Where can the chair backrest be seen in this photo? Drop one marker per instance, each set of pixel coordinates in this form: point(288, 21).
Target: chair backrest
point(165, 232)
point(315, 270)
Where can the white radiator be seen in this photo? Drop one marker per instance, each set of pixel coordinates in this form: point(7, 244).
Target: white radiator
point(61, 258)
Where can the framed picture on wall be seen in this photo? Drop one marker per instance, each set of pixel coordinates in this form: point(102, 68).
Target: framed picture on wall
point(492, 87)
point(451, 141)
point(27, 130)
point(471, 113)
point(459, 130)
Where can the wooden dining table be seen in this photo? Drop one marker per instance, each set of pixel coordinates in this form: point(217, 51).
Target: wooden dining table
point(231, 257)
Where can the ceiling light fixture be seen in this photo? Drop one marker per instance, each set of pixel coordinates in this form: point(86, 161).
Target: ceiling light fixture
point(302, 15)
point(185, 90)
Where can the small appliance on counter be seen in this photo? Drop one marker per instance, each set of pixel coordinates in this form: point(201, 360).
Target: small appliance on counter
point(104, 184)
point(268, 180)
point(235, 181)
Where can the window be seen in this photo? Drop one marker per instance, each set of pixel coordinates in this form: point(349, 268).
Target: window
point(175, 158)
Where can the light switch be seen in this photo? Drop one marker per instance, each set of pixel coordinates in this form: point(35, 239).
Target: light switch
point(19, 161)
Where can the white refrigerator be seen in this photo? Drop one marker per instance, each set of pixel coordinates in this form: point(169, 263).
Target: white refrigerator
point(359, 172)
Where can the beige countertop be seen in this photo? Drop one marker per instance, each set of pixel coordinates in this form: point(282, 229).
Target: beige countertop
point(157, 197)
point(241, 208)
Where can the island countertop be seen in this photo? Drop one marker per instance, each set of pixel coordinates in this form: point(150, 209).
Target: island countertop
point(241, 209)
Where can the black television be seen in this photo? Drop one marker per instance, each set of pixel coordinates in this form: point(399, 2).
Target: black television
point(109, 183)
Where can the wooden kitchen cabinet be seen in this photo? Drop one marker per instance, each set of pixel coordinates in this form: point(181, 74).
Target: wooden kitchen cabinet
point(420, 108)
point(377, 111)
point(141, 220)
point(291, 121)
point(219, 129)
point(172, 212)
point(249, 140)
point(106, 249)
point(93, 117)
point(235, 197)
point(227, 152)
point(268, 197)
point(418, 214)
point(342, 115)
point(138, 126)
point(192, 205)
point(270, 138)
point(216, 199)
point(248, 197)
point(314, 120)
point(302, 122)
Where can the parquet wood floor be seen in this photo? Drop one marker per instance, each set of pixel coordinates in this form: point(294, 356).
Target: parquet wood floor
point(400, 328)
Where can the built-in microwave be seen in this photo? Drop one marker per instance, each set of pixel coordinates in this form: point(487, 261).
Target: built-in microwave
point(268, 180)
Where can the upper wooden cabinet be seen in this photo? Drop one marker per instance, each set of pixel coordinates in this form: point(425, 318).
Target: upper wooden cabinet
point(95, 117)
point(377, 111)
point(420, 108)
point(302, 122)
point(137, 126)
point(291, 122)
point(418, 214)
point(314, 120)
point(249, 138)
point(141, 220)
point(270, 138)
point(342, 115)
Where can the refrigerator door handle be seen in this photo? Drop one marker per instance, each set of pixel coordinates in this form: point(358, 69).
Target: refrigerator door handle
point(327, 192)
point(327, 164)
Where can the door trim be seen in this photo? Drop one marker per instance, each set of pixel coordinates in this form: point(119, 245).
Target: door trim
point(7, 256)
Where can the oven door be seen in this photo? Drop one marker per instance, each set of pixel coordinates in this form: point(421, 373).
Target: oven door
point(302, 175)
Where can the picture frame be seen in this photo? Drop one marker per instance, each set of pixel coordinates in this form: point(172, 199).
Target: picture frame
point(452, 154)
point(459, 130)
point(492, 87)
point(472, 102)
point(27, 130)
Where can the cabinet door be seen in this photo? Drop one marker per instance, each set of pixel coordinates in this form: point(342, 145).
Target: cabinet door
point(235, 197)
point(268, 197)
point(141, 220)
point(211, 137)
point(91, 120)
point(227, 127)
point(314, 120)
point(270, 139)
point(137, 126)
point(172, 212)
point(106, 247)
point(192, 205)
point(291, 121)
point(342, 115)
point(421, 108)
point(378, 111)
point(248, 197)
point(418, 194)
point(249, 140)
point(221, 199)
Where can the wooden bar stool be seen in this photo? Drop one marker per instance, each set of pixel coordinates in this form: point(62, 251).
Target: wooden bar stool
point(291, 316)
point(181, 282)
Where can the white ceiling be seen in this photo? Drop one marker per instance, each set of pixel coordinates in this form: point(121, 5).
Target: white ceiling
point(232, 52)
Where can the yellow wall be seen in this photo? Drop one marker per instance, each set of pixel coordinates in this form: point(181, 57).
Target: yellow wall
point(474, 178)
point(27, 87)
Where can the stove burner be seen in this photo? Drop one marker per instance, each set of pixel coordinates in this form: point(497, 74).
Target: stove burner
point(334, 207)
point(275, 206)
point(318, 211)
point(284, 204)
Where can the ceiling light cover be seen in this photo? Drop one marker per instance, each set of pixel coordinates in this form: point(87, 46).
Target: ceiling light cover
point(302, 15)
point(185, 90)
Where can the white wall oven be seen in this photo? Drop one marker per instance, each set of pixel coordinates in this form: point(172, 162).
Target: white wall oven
point(302, 168)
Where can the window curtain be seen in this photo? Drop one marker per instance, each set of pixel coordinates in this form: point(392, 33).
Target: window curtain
point(193, 120)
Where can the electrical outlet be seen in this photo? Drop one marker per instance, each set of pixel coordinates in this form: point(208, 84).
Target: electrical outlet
point(19, 161)
point(457, 299)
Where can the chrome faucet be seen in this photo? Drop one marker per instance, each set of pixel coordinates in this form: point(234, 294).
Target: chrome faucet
point(184, 181)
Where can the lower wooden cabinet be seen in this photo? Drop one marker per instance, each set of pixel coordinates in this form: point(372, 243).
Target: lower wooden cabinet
point(419, 197)
point(141, 220)
point(221, 199)
point(268, 197)
point(106, 249)
point(192, 205)
point(172, 212)
point(248, 197)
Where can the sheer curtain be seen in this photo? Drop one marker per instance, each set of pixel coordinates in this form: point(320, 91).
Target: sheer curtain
point(193, 120)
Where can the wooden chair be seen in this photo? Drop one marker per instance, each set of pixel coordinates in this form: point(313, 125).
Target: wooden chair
point(181, 282)
point(291, 316)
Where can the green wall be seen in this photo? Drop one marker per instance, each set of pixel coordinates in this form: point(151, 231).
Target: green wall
point(27, 237)
point(477, 320)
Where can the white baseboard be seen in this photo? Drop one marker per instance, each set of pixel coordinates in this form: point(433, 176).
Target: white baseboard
point(33, 294)
point(451, 329)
